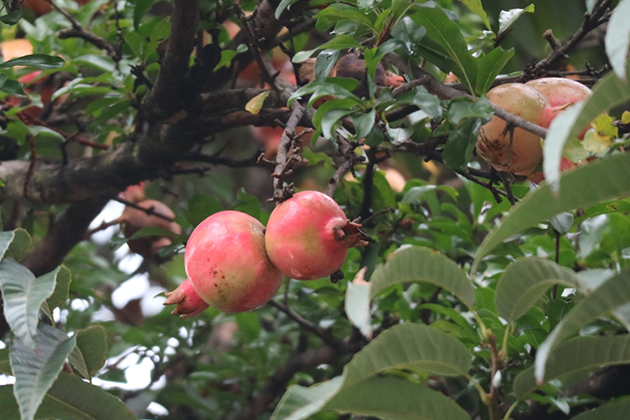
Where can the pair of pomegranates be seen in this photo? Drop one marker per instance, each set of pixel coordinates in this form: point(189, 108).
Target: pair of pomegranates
point(513, 149)
point(234, 264)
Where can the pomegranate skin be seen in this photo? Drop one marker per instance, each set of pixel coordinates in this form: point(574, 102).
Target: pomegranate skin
point(188, 302)
point(305, 236)
point(560, 91)
point(227, 264)
point(493, 143)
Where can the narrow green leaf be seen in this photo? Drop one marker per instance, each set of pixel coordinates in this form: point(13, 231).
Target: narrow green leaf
point(23, 296)
point(6, 238)
point(38, 61)
point(20, 245)
point(508, 17)
point(613, 293)
point(447, 34)
point(11, 18)
point(525, 281)
point(418, 264)
point(396, 399)
point(337, 11)
point(580, 354)
point(476, 7)
point(284, 4)
point(609, 92)
point(324, 64)
point(603, 208)
point(300, 402)
point(90, 353)
point(598, 181)
point(460, 144)
point(611, 410)
point(140, 9)
point(618, 38)
point(357, 306)
point(489, 66)
point(35, 372)
point(62, 288)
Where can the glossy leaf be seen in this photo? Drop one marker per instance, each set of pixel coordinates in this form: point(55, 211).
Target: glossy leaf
point(447, 34)
point(606, 298)
point(580, 354)
point(20, 245)
point(325, 62)
point(618, 38)
point(336, 11)
point(598, 181)
point(23, 296)
point(11, 18)
point(611, 410)
point(7, 239)
point(508, 17)
point(476, 7)
point(90, 353)
point(609, 92)
point(525, 281)
point(417, 264)
point(38, 61)
point(460, 144)
point(35, 372)
point(489, 66)
point(357, 306)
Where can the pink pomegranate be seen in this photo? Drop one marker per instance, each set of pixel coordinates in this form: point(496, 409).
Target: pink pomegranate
point(134, 193)
point(227, 264)
point(538, 177)
point(516, 151)
point(560, 93)
point(308, 236)
point(188, 302)
point(136, 219)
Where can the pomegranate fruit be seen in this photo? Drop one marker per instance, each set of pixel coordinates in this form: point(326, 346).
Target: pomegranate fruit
point(135, 219)
point(308, 236)
point(513, 150)
point(227, 264)
point(560, 93)
point(188, 302)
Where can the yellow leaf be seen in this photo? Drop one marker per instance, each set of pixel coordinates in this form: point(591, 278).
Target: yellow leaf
point(594, 142)
point(625, 117)
point(603, 125)
point(256, 103)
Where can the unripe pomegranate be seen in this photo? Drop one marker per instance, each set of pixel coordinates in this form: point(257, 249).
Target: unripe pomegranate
point(308, 236)
point(188, 302)
point(135, 220)
point(516, 151)
point(134, 193)
point(560, 93)
point(227, 264)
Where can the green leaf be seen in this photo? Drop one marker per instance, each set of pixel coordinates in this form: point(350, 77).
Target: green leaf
point(603, 208)
point(325, 62)
point(613, 293)
point(284, 4)
point(489, 66)
point(446, 33)
point(476, 7)
point(610, 410)
point(421, 98)
point(416, 193)
point(13, 88)
point(200, 207)
point(14, 241)
point(35, 372)
point(609, 92)
point(577, 355)
point(525, 281)
point(460, 144)
point(396, 399)
point(319, 89)
point(11, 18)
point(23, 296)
point(360, 390)
point(38, 61)
point(62, 288)
point(139, 11)
point(357, 306)
point(69, 398)
point(508, 17)
point(418, 264)
point(618, 38)
point(90, 352)
point(584, 186)
point(336, 11)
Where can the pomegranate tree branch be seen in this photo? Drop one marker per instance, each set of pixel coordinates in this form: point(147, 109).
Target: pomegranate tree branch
point(167, 95)
point(346, 149)
point(442, 91)
point(305, 324)
point(297, 362)
point(150, 211)
point(600, 14)
point(78, 31)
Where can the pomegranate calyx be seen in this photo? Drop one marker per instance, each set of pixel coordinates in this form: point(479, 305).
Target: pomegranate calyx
point(350, 235)
point(188, 302)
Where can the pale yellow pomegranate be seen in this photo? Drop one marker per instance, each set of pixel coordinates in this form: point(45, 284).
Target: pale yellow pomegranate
point(513, 150)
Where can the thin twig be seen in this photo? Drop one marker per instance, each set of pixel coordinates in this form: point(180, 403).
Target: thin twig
point(306, 324)
point(150, 211)
point(32, 160)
